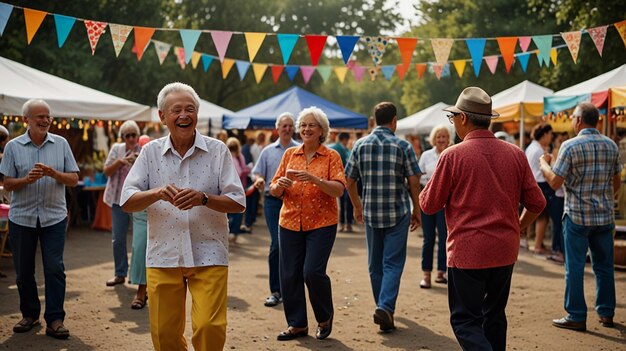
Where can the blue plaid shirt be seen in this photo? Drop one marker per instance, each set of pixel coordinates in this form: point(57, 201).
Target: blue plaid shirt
point(588, 164)
point(383, 162)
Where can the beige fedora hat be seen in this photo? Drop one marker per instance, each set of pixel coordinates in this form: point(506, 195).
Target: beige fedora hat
point(473, 100)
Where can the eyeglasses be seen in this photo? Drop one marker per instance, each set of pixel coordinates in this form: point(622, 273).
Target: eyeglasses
point(310, 125)
point(451, 117)
point(130, 135)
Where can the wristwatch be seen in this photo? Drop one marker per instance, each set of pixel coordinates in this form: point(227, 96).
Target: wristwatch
point(205, 199)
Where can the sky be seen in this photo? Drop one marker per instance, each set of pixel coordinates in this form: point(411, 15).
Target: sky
point(407, 11)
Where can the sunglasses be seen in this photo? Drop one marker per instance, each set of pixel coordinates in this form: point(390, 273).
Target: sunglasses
point(130, 135)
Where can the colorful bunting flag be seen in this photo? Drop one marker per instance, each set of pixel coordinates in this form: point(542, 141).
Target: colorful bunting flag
point(242, 68)
point(316, 46)
point(254, 42)
point(325, 72)
point(341, 73)
point(291, 72)
point(227, 65)
point(190, 39)
point(507, 48)
point(206, 61)
point(5, 13)
point(180, 54)
point(33, 19)
point(524, 43)
point(421, 68)
point(442, 47)
point(598, 34)
point(437, 68)
point(459, 65)
point(476, 48)
point(94, 31)
point(553, 55)
point(376, 47)
point(544, 44)
point(523, 60)
point(492, 63)
point(259, 71)
point(358, 72)
point(388, 71)
point(572, 39)
point(195, 58)
point(307, 72)
point(620, 26)
point(401, 69)
point(406, 47)
point(276, 72)
point(346, 45)
point(162, 49)
point(142, 39)
point(221, 40)
point(119, 35)
point(63, 25)
point(287, 42)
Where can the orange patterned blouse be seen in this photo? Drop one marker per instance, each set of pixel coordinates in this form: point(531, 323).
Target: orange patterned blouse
point(305, 206)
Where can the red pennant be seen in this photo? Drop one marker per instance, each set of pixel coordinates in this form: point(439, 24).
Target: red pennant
point(276, 72)
point(421, 68)
point(406, 47)
point(316, 45)
point(142, 39)
point(401, 69)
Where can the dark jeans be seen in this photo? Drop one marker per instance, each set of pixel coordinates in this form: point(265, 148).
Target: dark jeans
point(271, 210)
point(234, 222)
point(555, 210)
point(252, 206)
point(24, 246)
point(303, 260)
point(477, 299)
point(346, 212)
point(429, 224)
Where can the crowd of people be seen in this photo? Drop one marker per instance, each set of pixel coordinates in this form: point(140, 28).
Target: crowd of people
point(473, 200)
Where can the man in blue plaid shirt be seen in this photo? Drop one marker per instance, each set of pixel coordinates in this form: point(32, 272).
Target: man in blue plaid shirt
point(383, 162)
point(589, 166)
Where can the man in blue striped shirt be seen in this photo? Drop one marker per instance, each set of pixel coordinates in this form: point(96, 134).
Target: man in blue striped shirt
point(384, 162)
point(589, 167)
point(36, 167)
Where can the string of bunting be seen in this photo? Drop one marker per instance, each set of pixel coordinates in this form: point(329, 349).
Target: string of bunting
point(376, 46)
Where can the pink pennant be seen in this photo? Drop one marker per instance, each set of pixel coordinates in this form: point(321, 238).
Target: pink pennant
point(180, 56)
point(598, 34)
point(221, 40)
point(492, 63)
point(307, 72)
point(524, 42)
point(358, 72)
point(438, 68)
point(94, 31)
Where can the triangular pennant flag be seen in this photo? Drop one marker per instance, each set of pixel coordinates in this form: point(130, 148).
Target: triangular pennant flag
point(523, 60)
point(162, 49)
point(476, 48)
point(119, 35)
point(287, 42)
point(206, 61)
point(316, 46)
point(94, 31)
point(307, 72)
point(195, 59)
point(254, 42)
point(406, 47)
point(180, 55)
point(276, 72)
point(524, 42)
point(242, 68)
point(227, 65)
point(376, 47)
point(373, 71)
point(598, 34)
point(544, 44)
point(539, 58)
point(5, 13)
point(388, 71)
point(291, 72)
point(620, 26)
point(325, 72)
point(492, 63)
point(142, 39)
point(445, 72)
point(459, 65)
point(259, 71)
point(346, 45)
point(553, 55)
point(421, 68)
point(572, 39)
point(507, 48)
point(442, 47)
point(438, 68)
point(33, 19)
point(221, 40)
point(190, 39)
point(64, 25)
point(358, 72)
point(401, 69)
point(341, 73)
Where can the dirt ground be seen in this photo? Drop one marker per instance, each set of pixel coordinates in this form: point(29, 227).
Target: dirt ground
point(100, 318)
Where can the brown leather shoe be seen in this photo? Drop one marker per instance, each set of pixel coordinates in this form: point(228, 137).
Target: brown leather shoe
point(116, 280)
point(607, 322)
point(567, 324)
point(57, 330)
point(26, 324)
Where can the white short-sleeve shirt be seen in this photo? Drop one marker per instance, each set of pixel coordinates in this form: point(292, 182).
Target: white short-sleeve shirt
point(533, 153)
point(196, 237)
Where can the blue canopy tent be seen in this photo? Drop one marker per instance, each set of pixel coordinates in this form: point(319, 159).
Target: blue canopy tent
point(294, 100)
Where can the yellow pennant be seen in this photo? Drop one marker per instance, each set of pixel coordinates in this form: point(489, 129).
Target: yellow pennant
point(195, 58)
point(254, 42)
point(33, 20)
point(341, 73)
point(226, 66)
point(459, 65)
point(259, 71)
point(553, 55)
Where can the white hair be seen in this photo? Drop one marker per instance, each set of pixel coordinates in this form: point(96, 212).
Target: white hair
point(284, 115)
point(174, 88)
point(129, 127)
point(320, 118)
point(28, 105)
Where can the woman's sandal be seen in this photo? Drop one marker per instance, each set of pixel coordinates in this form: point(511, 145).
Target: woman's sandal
point(425, 284)
point(292, 333)
point(138, 304)
point(441, 280)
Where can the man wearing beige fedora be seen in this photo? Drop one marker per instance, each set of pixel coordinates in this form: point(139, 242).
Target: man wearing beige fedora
point(481, 182)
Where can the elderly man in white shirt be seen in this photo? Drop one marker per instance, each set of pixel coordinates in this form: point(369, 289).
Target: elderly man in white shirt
point(188, 183)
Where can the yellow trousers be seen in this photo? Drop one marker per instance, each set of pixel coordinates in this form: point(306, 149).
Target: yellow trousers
point(167, 291)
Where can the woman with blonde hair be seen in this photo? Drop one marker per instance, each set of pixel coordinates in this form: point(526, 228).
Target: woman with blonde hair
point(440, 139)
point(234, 219)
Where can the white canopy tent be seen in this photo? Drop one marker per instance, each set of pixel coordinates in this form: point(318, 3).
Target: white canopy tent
point(66, 99)
point(603, 82)
point(423, 121)
point(206, 112)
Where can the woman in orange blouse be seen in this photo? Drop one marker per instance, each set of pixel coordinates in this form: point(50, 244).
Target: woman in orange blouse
point(310, 178)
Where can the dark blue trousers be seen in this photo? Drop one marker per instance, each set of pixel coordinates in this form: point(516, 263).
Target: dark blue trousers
point(477, 299)
point(252, 206)
point(271, 210)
